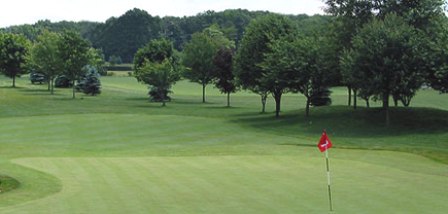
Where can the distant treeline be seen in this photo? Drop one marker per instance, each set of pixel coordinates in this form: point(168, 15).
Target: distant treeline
point(120, 38)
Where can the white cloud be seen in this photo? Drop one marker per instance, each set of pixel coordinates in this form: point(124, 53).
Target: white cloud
point(29, 11)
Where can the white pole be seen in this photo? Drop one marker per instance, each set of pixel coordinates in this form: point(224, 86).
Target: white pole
point(329, 180)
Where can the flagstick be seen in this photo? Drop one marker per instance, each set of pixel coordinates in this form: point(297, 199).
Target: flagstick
point(329, 180)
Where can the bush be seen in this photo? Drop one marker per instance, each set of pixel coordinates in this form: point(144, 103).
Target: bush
point(321, 97)
point(90, 84)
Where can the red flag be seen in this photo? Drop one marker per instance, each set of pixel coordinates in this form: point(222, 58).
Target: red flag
point(324, 142)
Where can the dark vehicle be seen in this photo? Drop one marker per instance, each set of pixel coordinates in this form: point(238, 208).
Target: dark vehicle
point(37, 78)
point(62, 82)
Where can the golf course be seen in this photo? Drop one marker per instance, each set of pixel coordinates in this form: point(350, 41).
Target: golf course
point(120, 153)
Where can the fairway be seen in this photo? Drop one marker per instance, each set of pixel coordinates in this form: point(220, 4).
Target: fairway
point(119, 153)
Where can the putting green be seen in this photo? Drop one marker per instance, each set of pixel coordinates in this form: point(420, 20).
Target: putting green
point(364, 182)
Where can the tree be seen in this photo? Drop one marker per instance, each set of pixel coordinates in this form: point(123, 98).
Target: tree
point(199, 54)
point(96, 59)
point(297, 65)
point(276, 71)
point(437, 54)
point(198, 58)
point(13, 55)
point(160, 77)
point(419, 14)
point(156, 50)
point(74, 52)
point(348, 70)
point(350, 15)
point(123, 36)
point(115, 60)
point(303, 68)
point(388, 60)
point(225, 80)
point(253, 47)
point(46, 58)
point(90, 84)
point(156, 65)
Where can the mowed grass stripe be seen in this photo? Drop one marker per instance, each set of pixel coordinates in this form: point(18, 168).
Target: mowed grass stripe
point(125, 135)
point(233, 184)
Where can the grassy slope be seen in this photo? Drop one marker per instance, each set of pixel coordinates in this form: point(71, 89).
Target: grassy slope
point(226, 160)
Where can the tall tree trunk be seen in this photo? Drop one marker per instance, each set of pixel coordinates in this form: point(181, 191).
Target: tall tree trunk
point(278, 98)
point(264, 97)
point(51, 82)
point(228, 99)
point(395, 101)
point(355, 98)
point(163, 99)
point(14, 81)
point(49, 86)
point(73, 82)
point(308, 103)
point(406, 101)
point(349, 95)
point(386, 107)
point(203, 92)
point(367, 103)
point(163, 102)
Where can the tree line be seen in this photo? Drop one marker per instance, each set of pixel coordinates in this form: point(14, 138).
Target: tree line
point(380, 50)
point(120, 37)
point(52, 55)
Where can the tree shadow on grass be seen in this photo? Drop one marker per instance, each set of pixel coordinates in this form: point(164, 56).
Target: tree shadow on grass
point(223, 107)
point(137, 99)
point(11, 88)
point(191, 102)
point(37, 90)
point(152, 106)
point(347, 122)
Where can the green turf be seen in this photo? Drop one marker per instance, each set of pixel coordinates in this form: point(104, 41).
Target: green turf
point(237, 184)
point(7, 184)
point(119, 153)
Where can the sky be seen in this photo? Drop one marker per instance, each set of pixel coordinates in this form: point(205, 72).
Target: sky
point(16, 12)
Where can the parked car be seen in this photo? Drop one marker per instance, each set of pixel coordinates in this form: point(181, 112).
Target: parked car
point(62, 82)
point(37, 78)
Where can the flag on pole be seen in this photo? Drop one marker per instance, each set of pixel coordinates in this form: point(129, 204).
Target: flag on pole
point(324, 142)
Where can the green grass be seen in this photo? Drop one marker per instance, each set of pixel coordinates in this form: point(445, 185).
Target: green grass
point(7, 184)
point(119, 153)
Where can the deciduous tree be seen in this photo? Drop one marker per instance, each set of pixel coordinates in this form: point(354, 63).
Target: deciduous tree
point(301, 67)
point(45, 57)
point(199, 54)
point(254, 45)
point(156, 65)
point(225, 79)
point(13, 55)
point(388, 60)
point(160, 76)
point(74, 52)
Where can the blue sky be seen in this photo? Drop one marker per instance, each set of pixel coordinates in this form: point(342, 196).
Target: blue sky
point(29, 11)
